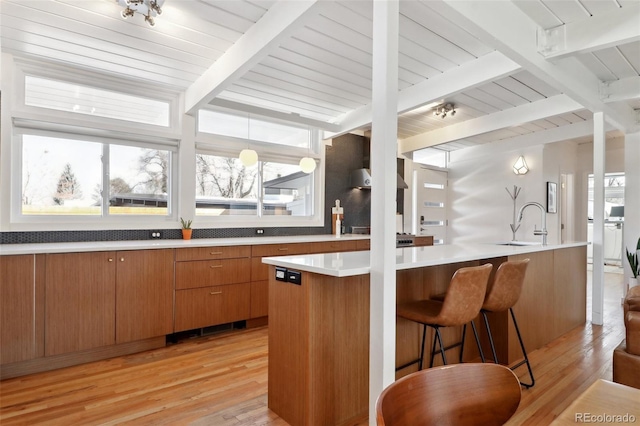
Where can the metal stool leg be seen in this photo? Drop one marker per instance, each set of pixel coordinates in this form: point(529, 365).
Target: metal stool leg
point(524, 352)
point(442, 348)
point(493, 348)
point(424, 334)
point(475, 333)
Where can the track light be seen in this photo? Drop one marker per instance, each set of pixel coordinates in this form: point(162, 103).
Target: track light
point(443, 110)
point(148, 8)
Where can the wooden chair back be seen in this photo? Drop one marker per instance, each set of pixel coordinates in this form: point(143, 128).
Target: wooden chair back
point(459, 394)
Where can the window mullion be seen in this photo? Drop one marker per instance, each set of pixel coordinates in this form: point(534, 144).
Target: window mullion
point(106, 187)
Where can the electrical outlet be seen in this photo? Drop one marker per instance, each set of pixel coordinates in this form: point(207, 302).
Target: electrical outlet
point(259, 231)
point(155, 235)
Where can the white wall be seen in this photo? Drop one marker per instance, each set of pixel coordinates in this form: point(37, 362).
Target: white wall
point(481, 208)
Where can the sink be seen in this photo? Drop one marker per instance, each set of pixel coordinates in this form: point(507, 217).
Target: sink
point(519, 243)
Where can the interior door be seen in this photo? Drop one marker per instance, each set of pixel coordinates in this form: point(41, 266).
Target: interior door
point(431, 203)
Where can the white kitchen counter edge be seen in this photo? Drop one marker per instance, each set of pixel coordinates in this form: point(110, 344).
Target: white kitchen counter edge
point(42, 248)
point(357, 263)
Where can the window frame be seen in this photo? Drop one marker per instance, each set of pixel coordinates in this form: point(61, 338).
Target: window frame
point(47, 122)
point(211, 144)
point(104, 218)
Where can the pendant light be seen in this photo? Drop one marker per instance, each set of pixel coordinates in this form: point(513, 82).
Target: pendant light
point(307, 164)
point(248, 157)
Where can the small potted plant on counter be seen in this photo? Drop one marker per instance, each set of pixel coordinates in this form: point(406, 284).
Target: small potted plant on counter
point(186, 229)
point(632, 257)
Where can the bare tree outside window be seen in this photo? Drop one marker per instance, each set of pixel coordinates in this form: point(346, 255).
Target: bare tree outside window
point(225, 177)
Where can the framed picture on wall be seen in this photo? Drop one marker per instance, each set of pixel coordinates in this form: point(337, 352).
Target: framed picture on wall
point(552, 197)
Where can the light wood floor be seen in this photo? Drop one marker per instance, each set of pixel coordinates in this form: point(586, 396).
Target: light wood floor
point(222, 380)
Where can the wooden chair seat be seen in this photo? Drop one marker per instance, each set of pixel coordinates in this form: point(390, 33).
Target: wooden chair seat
point(460, 395)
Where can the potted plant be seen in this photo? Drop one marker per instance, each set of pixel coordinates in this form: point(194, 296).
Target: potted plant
point(186, 229)
point(632, 257)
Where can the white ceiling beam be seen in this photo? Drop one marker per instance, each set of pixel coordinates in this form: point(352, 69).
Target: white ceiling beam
point(266, 35)
point(620, 90)
point(609, 29)
point(555, 105)
point(264, 112)
point(467, 76)
point(504, 26)
point(556, 134)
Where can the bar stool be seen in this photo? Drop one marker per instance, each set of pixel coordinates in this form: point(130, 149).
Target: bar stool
point(461, 304)
point(501, 296)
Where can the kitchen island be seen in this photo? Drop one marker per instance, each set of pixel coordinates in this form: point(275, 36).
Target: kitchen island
point(319, 326)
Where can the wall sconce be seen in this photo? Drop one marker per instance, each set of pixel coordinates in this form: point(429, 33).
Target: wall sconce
point(445, 109)
point(520, 166)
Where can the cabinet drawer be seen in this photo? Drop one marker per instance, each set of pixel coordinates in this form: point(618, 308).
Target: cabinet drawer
point(332, 246)
point(423, 241)
point(203, 307)
point(207, 273)
point(203, 253)
point(363, 244)
point(279, 249)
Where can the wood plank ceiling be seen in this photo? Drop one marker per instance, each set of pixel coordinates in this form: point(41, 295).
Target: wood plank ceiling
point(320, 71)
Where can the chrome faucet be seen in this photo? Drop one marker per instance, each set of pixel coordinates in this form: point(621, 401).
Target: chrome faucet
point(543, 213)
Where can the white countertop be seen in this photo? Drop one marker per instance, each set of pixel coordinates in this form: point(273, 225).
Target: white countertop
point(357, 263)
point(11, 249)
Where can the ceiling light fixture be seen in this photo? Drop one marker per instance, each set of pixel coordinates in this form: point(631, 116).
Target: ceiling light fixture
point(148, 8)
point(443, 110)
point(307, 164)
point(248, 157)
point(520, 166)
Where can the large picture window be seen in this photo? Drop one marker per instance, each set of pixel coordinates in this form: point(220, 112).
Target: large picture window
point(275, 190)
point(71, 177)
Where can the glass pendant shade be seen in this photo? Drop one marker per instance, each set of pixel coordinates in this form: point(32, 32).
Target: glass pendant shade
point(248, 157)
point(520, 167)
point(307, 164)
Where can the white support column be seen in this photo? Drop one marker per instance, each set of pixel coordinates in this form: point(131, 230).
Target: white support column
point(631, 198)
point(382, 343)
point(187, 162)
point(597, 299)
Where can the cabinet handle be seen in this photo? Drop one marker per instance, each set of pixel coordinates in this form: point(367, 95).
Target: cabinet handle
point(110, 259)
point(215, 266)
point(215, 252)
point(215, 292)
point(122, 259)
point(283, 249)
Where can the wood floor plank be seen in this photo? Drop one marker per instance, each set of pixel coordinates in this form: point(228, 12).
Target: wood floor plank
point(222, 380)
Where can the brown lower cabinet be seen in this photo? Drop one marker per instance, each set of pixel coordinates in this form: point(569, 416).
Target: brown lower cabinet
point(102, 298)
point(202, 307)
point(80, 301)
point(21, 308)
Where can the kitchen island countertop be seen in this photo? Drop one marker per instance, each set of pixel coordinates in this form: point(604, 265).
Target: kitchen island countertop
point(357, 263)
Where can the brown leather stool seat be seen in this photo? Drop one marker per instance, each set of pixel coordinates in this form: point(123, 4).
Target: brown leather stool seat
point(461, 304)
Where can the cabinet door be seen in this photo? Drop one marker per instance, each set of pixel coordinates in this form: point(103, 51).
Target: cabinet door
point(80, 301)
point(17, 308)
point(202, 307)
point(144, 294)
